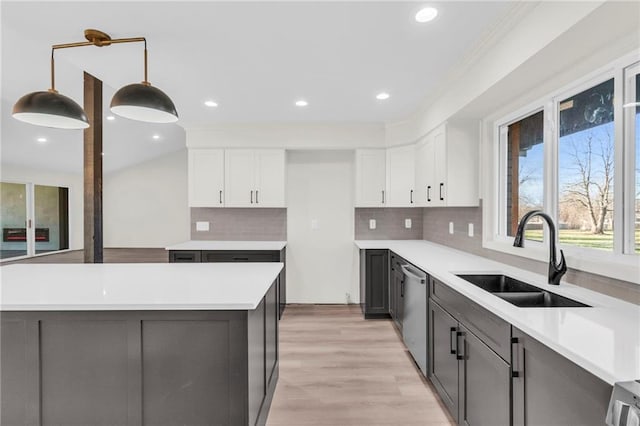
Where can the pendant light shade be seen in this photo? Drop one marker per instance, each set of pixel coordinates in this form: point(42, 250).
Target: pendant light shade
point(143, 102)
point(50, 109)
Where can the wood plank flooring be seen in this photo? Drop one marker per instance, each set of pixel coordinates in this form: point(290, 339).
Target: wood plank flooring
point(111, 255)
point(338, 369)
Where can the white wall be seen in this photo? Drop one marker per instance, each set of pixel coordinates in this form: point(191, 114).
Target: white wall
point(24, 174)
point(320, 264)
point(145, 205)
point(288, 135)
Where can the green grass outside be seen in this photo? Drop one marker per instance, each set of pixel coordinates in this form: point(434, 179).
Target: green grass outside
point(582, 238)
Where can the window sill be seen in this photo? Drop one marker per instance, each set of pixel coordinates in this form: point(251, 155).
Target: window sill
point(621, 267)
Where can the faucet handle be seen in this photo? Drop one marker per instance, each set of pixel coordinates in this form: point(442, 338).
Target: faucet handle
point(562, 266)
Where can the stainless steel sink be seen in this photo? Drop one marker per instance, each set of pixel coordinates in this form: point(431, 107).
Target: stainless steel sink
point(519, 293)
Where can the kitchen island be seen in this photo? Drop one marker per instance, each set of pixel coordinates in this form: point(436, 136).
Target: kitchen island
point(116, 344)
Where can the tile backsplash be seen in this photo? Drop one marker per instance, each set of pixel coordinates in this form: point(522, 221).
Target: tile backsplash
point(240, 224)
point(390, 224)
point(435, 229)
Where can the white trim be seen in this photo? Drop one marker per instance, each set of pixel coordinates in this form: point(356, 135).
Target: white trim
point(629, 157)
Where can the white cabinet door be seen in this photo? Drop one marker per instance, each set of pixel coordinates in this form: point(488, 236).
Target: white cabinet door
point(422, 164)
point(401, 176)
point(206, 178)
point(440, 166)
point(239, 181)
point(269, 178)
point(371, 178)
point(431, 188)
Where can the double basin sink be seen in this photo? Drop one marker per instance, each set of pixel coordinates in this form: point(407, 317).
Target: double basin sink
point(520, 293)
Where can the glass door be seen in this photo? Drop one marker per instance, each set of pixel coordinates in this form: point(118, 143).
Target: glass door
point(51, 218)
point(14, 206)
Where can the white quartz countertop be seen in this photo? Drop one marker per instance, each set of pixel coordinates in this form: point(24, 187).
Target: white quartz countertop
point(604, 339)
point(228, 245)
point(150, 286)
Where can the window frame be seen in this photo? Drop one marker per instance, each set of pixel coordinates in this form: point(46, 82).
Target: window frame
point(621, 263)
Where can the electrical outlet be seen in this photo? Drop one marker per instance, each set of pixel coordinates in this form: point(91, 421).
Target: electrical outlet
point(451, 228)
point(407, 223)
point(202, 226)
point(471, 229)
point(372, 224)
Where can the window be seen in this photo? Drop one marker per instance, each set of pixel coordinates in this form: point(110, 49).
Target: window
point(34, 219)
point(525, 167)
point(586, 153)
point(574, 154)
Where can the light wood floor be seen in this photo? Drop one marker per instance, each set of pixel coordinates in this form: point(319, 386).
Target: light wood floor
point(338, 369)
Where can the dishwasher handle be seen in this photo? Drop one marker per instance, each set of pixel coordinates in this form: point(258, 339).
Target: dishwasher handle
point(413, 273)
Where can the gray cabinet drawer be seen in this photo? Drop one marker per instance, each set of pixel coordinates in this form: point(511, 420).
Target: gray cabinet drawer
point(181, 256)
point(492, 330)
point(240, 256)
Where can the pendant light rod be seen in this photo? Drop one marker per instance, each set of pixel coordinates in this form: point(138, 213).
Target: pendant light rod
point(100, 39)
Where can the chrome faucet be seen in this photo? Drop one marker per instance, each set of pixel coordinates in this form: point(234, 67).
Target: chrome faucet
point(556, 270)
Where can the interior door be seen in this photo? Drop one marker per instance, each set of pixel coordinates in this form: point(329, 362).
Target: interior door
point(239, 178)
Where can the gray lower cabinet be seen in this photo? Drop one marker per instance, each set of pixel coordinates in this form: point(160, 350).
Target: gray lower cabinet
point(485, 383)
point(472, 379)
point(396, 290)
point(374, 283)
point(213, 256)
point(444, 366)
point(548, 389)
point(105, 368)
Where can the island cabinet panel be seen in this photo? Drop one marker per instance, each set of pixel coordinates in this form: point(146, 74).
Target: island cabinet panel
point(182, 356)
point(105, 368)
point(550, 389)
point(374, 283)
point(83, 361)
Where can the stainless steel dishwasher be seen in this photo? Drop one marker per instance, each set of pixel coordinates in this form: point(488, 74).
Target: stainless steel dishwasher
point(414, 323)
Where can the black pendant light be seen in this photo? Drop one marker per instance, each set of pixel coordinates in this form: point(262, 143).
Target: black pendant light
point(50, 109)
point(139, 101)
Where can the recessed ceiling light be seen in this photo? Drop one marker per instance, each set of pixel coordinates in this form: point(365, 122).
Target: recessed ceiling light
point(211, 104)
point(302, 103)
point(426, 14)
point(156, 137)
point(42, 140)
point(382, 96)
point(110, 117)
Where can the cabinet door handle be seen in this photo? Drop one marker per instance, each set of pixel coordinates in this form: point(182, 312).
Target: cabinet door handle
point(411, 197)
point(257, 202)
point(514, 356)
point(402, 288)
point(452, 331)
point(240, 259)
point(251, 197)
point(441, 186)
point(382, 196)
point(458, 354)
point(220, 196)
point(429, 193)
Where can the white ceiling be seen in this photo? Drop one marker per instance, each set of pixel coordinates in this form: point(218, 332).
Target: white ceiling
point(254, 58)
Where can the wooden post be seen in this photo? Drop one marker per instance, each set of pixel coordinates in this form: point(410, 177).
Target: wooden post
point(93, 170)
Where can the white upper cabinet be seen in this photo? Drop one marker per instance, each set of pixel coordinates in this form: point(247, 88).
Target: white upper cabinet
point(270, 178)
point(371, 190)
point(401, 176)
point(255, 178)
point(447, 164)
point(206, 178)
